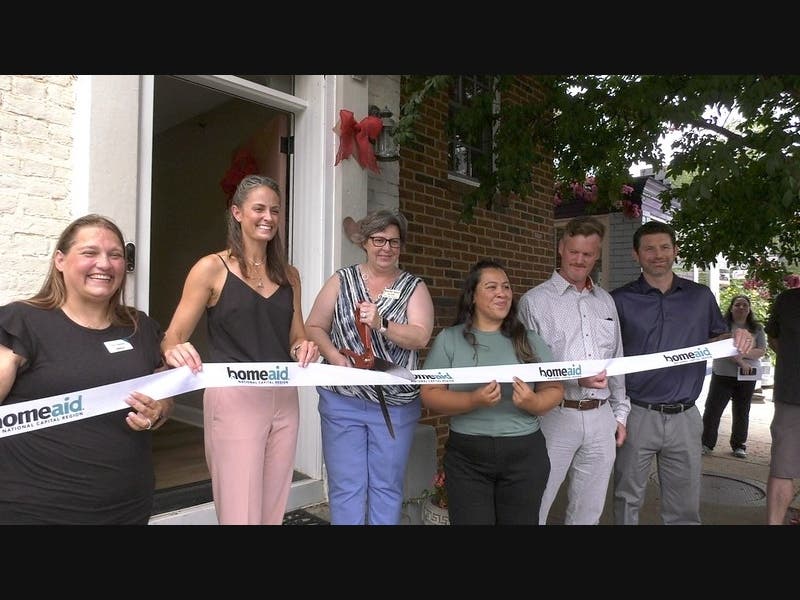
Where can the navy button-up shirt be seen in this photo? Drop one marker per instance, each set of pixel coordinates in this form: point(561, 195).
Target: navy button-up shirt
point(687, 315)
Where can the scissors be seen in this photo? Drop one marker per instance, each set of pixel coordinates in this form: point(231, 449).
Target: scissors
point(368, 360)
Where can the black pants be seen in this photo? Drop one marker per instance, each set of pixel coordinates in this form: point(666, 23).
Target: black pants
point(721, 390)
point(495, 480)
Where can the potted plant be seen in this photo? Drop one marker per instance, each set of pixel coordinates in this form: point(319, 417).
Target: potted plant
point(434, 507)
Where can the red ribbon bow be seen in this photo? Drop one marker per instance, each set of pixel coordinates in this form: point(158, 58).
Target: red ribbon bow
point(354, 139)
point(242, 165)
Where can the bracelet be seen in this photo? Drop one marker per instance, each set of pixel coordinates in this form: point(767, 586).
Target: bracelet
point(295, 349)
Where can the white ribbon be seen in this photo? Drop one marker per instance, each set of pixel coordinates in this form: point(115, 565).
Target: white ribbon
point(33, 415)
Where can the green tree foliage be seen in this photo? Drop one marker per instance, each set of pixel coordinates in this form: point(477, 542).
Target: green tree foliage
point(743, 197)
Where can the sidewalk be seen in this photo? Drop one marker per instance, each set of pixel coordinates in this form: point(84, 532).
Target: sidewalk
point(734, 489)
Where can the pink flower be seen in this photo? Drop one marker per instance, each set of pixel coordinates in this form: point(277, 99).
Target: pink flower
point(752, 284)
point(631, 209)
point(588, 192)
point(792, 281)
point(439, 494)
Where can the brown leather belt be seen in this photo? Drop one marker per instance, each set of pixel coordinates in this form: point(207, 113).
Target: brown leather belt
point(583, 404)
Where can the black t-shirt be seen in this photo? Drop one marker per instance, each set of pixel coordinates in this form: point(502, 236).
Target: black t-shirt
point(784, 324)
point(90, 471)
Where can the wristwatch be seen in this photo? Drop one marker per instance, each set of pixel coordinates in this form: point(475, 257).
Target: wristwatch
point(384, 325)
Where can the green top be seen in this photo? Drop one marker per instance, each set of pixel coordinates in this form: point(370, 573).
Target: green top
point(451, 350)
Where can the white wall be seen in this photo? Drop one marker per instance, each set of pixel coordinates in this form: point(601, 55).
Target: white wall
point(36, 135)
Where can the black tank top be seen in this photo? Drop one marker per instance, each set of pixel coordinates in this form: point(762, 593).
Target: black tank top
point(244, 326)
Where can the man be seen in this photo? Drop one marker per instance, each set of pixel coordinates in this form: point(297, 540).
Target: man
point(578, 321)
point(783, 329)
point(658, 312)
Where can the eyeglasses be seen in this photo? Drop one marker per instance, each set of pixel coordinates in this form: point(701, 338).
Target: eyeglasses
point(380, 242)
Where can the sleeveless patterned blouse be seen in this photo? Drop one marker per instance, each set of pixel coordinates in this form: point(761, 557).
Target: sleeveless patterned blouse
point(344, 334)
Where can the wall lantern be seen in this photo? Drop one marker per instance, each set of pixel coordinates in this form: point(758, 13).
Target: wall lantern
point(386, 148)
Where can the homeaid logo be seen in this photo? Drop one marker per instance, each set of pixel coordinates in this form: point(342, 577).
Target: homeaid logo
point(694, 355)
point(274, 376)
point(44, 415)
point(561, 373)
point(434, 378)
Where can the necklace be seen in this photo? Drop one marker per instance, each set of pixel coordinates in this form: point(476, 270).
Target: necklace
point(260, 283)
point(365, 278)
point(104, 325)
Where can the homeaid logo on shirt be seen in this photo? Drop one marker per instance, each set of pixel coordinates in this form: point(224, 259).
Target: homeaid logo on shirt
point(276, 376)
point(692, 356)
point(44, 415)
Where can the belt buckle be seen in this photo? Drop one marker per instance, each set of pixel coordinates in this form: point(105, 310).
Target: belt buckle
point(580, 403)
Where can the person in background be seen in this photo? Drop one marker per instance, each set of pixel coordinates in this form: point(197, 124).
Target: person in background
point(783, 329)
point(578, 321)
point(496, 463)
point(659, 312)
point(252, 300)
point(725, 384)
point(76, 333)
point(366, 466)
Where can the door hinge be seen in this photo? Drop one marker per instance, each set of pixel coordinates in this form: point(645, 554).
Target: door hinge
point(287, 144)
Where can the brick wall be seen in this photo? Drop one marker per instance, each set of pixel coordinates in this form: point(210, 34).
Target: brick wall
point(441, 249)
point(36, 116)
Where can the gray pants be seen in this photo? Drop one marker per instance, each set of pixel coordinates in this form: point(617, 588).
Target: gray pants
point(581, 446)
point(675, 441)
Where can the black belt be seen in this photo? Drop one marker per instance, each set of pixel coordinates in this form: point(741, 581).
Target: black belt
point(583, 404)
point(669, 409)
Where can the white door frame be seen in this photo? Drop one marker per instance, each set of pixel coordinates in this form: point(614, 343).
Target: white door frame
point(308, 176)
point(113, 134)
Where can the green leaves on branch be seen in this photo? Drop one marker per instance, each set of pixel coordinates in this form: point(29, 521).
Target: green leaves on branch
point(739, 191)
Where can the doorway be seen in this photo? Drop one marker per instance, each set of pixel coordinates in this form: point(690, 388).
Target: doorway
point(198, 132)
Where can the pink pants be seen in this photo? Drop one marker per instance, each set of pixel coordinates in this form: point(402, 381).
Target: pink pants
point(250, 442)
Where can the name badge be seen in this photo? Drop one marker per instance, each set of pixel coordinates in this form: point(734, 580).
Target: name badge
point(753, 375)
point(391, 293)
point(118, 346)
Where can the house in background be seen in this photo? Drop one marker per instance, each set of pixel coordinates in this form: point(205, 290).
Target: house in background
point(617, 265)
point(152, 152)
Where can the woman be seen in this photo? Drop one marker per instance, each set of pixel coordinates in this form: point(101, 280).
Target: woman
point(366, 466)
point(74, 334)
point(496, 464)
point(252, 300)
point(726, 385)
